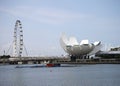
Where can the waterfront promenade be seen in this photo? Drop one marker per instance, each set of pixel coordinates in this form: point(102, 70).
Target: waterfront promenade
point(60, 60)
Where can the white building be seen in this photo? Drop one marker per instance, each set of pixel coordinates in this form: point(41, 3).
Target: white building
point(79, 50)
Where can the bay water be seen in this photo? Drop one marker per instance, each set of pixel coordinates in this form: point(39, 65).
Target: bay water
point(77, 75)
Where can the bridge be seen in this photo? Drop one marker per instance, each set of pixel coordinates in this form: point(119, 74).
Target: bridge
point(53, 59)
point(33, 60)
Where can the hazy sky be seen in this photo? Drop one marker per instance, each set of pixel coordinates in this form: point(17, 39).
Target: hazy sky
point(43, 21)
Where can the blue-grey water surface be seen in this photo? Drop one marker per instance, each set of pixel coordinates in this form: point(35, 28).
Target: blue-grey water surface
point(82, 75)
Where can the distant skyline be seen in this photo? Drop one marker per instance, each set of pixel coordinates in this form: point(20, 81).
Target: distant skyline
point(43, 21)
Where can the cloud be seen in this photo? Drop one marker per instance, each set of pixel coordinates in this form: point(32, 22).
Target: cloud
point(44, 15)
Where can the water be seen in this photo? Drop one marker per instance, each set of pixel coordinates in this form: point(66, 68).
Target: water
point(82, 75)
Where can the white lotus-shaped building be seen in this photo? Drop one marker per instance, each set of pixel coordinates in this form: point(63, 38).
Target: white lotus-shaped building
point(73, 48)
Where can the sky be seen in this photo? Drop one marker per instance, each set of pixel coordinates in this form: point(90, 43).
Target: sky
point(43, 21)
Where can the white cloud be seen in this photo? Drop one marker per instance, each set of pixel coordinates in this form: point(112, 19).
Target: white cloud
point(44, 15)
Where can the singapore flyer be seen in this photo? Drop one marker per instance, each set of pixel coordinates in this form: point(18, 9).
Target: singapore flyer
point(18, 39)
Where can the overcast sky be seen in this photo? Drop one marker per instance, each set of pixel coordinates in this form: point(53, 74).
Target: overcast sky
point(43, 21)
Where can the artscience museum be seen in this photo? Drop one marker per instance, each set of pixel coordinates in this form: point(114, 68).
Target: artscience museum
point(78, 50)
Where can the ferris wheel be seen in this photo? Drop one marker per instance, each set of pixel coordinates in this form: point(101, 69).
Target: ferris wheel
point(18, 40)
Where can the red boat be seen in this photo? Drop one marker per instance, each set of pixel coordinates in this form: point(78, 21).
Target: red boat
point(52, 65)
